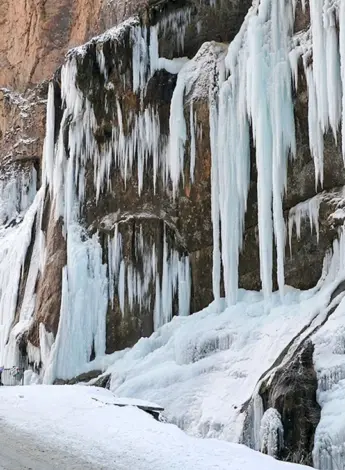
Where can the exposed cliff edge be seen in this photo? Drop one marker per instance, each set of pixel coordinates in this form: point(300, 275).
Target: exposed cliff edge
point(193, 149)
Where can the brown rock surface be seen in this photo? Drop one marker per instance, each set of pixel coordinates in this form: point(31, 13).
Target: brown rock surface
point(22, 126)
point(36, 34)
point(49, 285)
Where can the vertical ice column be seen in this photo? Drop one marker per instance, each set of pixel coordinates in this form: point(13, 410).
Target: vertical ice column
point(178, 131)
point(233, 178)
point(48, 148)
point(342, 70)
point(114, 260)
point(215, 211)
point(175, 279)
point(84, 302)
point(14, 245)
point(257, 94)
point(271, 111)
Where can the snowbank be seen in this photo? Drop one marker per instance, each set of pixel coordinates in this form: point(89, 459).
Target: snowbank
point(121, 438)
point(203, 368)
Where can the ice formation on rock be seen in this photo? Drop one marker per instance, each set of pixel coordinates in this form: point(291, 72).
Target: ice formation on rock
point(307, 209)
point(249, 88)
point(271, 432)
point(15, 243)
point(17, 192)
point(257, 98)
point(65, 175)
point(81, 333)
point(329, 360)
point(128, 281)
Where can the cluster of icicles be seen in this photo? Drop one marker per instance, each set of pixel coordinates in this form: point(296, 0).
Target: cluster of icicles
point(82, 324)
point(262, 64)
point(250, 95)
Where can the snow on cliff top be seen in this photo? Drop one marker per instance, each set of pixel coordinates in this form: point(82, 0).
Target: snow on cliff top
point(74, 417)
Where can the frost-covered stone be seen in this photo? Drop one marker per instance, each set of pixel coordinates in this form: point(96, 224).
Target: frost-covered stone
point(271, 433)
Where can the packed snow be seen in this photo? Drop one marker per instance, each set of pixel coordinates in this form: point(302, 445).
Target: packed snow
point(203, 368)
point(85, 420)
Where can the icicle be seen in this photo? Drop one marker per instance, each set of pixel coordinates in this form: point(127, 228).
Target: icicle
point(174, 25)
point(184, 287)
point(154, 49)
point(122, 287)
point(216, 255)
point(48, 149)
point(333, 70)
point(114, 260)
point(157, 313)
point(192, 143)
point(133, 285)
point(178, 130)
point(319, 66)
point(314, 127)
point(310, 209)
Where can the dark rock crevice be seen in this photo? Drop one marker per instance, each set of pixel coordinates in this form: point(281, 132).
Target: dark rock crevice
point(292, 392)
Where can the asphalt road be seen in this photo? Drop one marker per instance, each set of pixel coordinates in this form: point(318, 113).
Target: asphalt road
point(19, 451)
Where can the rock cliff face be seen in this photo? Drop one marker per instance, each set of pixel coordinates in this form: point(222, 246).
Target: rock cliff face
point(118, 222)
point(184, 221)
point(37, 34)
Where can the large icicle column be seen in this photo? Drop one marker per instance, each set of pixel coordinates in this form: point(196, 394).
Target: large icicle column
point(19, 259)
point(257, 99)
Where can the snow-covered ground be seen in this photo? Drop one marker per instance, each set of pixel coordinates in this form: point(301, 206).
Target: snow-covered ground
point(84, 420)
